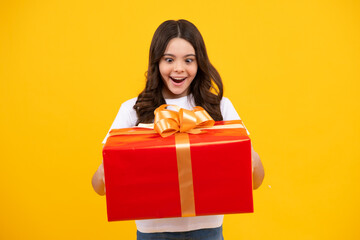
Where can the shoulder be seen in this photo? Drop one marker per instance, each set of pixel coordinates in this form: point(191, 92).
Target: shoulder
point(228, 110)
point(129, 104)
point(225, 102)
point(127, 114)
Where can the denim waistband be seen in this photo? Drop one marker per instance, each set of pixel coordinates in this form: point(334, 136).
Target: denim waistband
point(201, 234)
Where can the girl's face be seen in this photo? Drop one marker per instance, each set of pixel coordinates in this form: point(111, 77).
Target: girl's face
point(178, 68)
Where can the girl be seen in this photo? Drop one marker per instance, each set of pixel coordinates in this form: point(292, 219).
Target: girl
point(179, 73)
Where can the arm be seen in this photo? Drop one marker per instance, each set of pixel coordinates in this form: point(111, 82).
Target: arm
point(229, 113)
point(258, 170)
point(98, 181)
point(125, 118)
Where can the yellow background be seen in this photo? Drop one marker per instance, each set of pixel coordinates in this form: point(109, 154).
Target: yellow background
point(291, 68)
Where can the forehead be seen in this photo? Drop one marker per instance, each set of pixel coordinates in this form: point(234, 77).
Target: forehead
point(179, 46)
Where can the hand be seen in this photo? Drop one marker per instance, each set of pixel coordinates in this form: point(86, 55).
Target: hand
point(257, 169)
point(103, 174)
point(101, 169)
point(98, 180)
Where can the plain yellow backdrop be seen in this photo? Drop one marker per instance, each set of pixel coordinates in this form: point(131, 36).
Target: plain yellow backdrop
point(291, 69)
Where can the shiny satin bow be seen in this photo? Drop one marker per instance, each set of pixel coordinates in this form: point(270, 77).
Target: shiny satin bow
point(168, 122)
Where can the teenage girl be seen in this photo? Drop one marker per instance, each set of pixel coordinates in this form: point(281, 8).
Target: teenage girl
point(179, 73)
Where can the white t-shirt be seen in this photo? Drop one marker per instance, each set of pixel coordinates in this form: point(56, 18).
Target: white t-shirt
point(127, 118)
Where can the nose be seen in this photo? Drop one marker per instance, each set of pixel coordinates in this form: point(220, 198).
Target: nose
point(178, 67)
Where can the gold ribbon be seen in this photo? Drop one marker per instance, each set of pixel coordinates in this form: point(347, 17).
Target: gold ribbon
point(180, 123)
point(186, 184)
point(168, 122)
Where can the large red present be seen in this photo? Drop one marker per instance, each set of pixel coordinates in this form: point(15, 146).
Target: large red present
point(148, 176)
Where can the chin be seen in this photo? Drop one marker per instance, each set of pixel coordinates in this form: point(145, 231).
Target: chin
point(179, 92)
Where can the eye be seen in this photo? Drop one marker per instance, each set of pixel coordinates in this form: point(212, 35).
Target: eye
point(169, 60)
point(189, 60)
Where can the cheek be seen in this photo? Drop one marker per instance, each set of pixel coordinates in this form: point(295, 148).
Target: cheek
point(164, 70)
point(193, 70)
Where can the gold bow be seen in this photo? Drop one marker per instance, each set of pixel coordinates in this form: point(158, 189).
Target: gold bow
point(168, 122)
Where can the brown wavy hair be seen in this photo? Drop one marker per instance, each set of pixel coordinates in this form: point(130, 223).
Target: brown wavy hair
point(206, 88)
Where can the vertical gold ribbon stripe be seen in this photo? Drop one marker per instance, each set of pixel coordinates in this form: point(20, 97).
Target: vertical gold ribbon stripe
point(186, 186)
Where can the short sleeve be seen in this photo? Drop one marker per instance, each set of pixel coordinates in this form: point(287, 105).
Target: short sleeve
point(125, 118)
point(228, 111)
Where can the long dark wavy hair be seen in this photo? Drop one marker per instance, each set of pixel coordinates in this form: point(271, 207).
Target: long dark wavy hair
point(206, 88)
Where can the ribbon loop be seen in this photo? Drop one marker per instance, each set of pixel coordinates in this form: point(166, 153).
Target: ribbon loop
point(203, 118)
point(168, 122)
point(166, 127)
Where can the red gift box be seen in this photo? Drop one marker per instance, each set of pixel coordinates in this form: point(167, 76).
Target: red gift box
point(143, 181)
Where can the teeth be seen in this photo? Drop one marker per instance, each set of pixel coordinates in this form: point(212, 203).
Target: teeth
point(178, 78)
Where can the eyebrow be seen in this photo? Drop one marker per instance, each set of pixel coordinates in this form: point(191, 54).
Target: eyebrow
point(172, 55)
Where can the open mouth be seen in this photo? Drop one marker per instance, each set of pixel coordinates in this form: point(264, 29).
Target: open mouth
point(178, 80)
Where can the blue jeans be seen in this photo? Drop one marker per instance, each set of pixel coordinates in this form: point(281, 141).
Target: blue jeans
point(201, 234)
